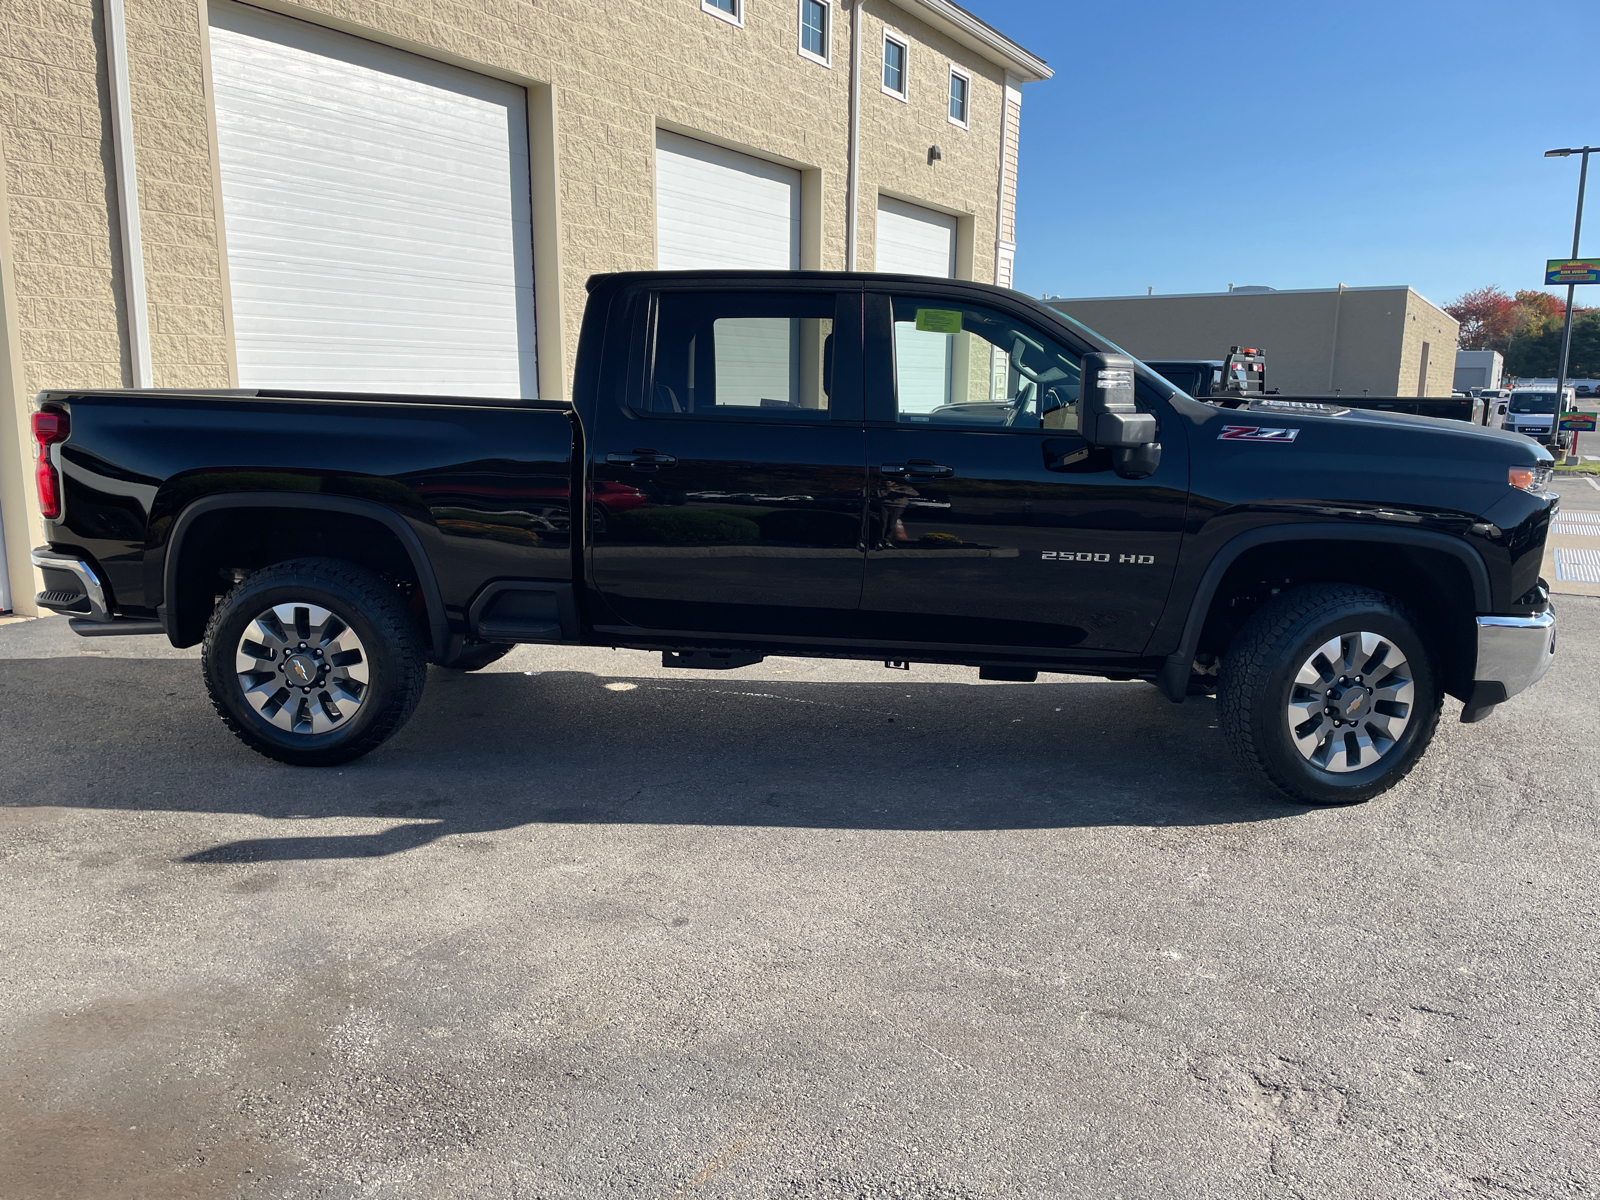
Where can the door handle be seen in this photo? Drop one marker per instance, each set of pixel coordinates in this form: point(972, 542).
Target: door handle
point(918, 469)
point(642, 460)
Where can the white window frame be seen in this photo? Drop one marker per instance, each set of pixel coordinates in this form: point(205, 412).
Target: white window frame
point(958, 73)
point(825, 59)
point(901, 40)
point(736, 17)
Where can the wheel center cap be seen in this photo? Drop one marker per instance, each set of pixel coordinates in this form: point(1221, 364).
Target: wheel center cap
point(300, 669)
point(1352, 702)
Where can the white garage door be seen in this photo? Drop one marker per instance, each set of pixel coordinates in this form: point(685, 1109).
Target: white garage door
point(918, 241)
point(718, 208)
point(377, 214)
point(915, 241)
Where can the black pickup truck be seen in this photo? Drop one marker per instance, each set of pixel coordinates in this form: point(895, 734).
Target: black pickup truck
point(827, 465)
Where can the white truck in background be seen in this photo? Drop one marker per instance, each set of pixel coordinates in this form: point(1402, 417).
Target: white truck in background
point(1533, 412)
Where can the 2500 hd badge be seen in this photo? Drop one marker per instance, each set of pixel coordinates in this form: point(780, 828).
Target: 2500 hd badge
point(1086, 556)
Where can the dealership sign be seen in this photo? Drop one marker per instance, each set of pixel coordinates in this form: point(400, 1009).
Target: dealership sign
point(1572, 270)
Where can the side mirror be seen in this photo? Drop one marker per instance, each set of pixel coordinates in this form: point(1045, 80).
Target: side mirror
point(1110, 415)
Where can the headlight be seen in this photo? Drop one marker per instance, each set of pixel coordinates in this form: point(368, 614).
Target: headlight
point(1531, 479)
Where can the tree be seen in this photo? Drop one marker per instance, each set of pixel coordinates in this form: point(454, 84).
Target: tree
point(1535, 310)
point(1486, 316)
point(1518, 326)
point(1537, 353)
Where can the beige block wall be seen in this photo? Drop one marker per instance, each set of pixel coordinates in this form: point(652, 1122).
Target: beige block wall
point(1428, 325)
point(618, 72)
point(896, 135)
point(1370, 334)
point(19, 510)
point(59, 267)
point(602, 79)
point(185, 284)
point(61, 211)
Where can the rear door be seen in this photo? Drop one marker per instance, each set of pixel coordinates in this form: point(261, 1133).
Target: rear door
point(991, 521)
point(728, 488)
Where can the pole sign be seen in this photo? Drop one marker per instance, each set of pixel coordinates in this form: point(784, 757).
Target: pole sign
point(1579, 422)
point(1571, 270)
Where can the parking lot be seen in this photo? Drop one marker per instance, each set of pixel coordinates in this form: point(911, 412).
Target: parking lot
point(587, 927)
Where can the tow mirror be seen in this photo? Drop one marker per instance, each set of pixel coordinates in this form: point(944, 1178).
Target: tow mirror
point(1111, 416)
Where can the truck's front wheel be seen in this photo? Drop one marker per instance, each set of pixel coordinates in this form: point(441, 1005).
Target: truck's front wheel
point(1329, 693)
point(313, 662)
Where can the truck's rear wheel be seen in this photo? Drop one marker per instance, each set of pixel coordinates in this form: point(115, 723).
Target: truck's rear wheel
point(313, 662)
point(1330, 694)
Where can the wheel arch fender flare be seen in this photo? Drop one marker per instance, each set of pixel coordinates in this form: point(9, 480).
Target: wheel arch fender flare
point(433, 598)
point(1173, 679)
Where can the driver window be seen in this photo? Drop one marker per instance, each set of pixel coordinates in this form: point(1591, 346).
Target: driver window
point(974, 366)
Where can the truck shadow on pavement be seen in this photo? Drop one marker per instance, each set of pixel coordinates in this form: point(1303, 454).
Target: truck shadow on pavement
point(496, 751)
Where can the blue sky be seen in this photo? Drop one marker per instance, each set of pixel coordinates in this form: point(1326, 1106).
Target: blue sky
point(1299, 144)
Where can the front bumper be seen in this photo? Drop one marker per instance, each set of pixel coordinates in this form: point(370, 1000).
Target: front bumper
point(1513, 654)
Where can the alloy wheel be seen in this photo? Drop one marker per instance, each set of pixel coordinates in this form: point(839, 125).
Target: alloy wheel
point(1350, 702)
point(302, 668)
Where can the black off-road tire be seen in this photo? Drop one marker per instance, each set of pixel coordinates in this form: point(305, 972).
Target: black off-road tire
point(391, 649)
point(1257, 680)
point(479, 656)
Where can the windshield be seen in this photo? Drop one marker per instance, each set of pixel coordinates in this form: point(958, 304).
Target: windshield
point(1533, 402)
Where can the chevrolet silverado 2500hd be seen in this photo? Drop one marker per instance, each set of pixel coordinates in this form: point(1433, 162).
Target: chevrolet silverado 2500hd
point(816, 464)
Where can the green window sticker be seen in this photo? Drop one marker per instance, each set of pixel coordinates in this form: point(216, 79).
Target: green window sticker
point(938, 320)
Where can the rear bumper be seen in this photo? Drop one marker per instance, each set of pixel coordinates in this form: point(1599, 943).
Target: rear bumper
point(1515, 652)
point(71, 586)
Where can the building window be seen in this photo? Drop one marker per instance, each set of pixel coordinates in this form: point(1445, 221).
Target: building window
point(729, 10)
point(894, 66)
point(960, 96)
point(814, 31)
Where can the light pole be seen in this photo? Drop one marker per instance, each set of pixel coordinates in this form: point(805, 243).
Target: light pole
point(1566, 328)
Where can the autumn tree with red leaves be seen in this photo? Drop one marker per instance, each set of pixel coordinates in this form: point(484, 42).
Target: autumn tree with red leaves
point(1487, 316)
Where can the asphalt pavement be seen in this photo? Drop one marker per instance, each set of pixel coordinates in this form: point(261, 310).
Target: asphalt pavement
point(804, 931)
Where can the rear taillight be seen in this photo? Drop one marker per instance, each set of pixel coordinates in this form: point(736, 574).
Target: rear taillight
point(49, 428)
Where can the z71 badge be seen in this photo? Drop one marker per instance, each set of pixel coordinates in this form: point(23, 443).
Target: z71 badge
point(1256, 433)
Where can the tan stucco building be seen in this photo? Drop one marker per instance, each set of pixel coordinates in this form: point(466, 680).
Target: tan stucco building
point(1384, 341)
point(362, 193)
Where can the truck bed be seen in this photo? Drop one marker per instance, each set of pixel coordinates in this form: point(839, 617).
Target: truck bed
point(478, 487)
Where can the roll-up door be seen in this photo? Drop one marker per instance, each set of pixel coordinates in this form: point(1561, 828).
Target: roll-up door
point(918, 241)
point(915, 241)
point(719, 208)
point(377, 212)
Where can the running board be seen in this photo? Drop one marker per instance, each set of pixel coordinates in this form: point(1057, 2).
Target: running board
point(120, 627)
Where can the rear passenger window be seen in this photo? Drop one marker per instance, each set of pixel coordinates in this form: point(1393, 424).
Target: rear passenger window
point(743, 354)
point(968, 365)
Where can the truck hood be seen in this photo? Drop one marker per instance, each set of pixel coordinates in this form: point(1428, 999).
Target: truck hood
point(1469, 441)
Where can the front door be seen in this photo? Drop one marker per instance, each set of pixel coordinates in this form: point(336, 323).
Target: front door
point(991, 521)
point(728, 495)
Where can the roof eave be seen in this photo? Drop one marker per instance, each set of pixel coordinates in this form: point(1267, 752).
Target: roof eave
point(958, 23)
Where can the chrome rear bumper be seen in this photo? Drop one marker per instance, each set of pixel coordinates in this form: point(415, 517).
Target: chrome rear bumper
point(90, 592)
